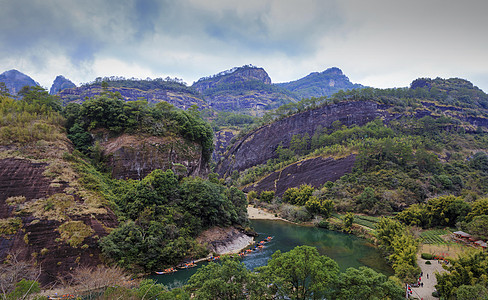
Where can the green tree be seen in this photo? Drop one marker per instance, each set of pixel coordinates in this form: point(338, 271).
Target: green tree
point(266, 196)
point(319, 206)
point(229, 279)
point(386, 230)
point(301, 273)
point(478, 208)
point(479, 226)
point(468, 269)
point(365, 283)
point(38, 95)
point(347, 221)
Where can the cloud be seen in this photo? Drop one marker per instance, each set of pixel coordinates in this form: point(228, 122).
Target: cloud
point(380, 43)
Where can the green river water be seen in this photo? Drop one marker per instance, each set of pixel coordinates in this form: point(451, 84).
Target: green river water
point(347, 250)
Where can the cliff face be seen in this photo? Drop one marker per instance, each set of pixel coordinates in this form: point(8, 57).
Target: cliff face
point(315, 172)
point(320, 84)
point(131, 156)
point(179, 99)
point(258, 146)
point(246, 89)
point(40, 212)
point(61, 83)
point(236, 75)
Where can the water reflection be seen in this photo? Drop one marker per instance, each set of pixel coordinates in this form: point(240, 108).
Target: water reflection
point(347, 250)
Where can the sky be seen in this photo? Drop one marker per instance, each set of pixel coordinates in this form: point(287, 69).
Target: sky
point(378, 43)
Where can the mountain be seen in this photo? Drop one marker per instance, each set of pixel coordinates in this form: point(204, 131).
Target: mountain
point(407, 144)
point(245, 89)
point(320, 84)
point(61, 83)
point(154, 91)
point(15, 81)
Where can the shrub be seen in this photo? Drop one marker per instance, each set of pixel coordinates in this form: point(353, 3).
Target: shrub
point(427, 256)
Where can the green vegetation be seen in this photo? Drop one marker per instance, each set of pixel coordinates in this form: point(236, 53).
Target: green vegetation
point(74, 232)
point(299, 274)
point(170, 84)
point(434, 237)
point(399, 243)
point(466, 277)
point(161, 216)
point(110, 112)
point(9, 226)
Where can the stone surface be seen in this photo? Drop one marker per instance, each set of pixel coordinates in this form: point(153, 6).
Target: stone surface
point(315, 172)
point(135, 156)
point(15, 81)
point(61, 83)
point(38, 239)
point(259, 145)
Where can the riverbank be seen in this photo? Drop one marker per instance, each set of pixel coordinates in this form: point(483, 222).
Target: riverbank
point(254, 213)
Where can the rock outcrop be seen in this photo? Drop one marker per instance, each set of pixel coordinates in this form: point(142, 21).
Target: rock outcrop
point(28, 200)
point(15, 81)
point(225, 240)
point(177, 98)
point(315, 172)
point(320, 84)
point(135, 156)
point(259, 145)
point(61, 83)
point(246, 89)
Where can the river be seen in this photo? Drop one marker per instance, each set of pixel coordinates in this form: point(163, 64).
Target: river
point(347, 250)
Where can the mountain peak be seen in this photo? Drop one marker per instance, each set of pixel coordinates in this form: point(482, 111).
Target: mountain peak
point(61, 83)
point(320, 84)
point(16, 80)
point(232, 76)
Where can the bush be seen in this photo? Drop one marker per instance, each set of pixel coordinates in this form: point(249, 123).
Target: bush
point(428, 262)
point(323, 224)
point(427, 256)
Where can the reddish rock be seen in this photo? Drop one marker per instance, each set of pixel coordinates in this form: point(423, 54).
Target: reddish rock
point(39, 239)
point(315, 172)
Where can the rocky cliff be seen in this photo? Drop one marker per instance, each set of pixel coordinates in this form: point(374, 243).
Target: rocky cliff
point(314, 171)
point(320, 84)
point(245, 89)
point(177, 98)
point(259, 145)
point(15, 81)
point(61, 83)
point(135, 156)
point(45, 216)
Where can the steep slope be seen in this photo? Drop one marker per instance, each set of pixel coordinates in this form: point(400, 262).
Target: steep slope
point(260, 145)
point(61, 83)
point(430, 140)
point(245, 89)
point(320, 84)
point(15, 80)
point(46, 212)
point(135, 156)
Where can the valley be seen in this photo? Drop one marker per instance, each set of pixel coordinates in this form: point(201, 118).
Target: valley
point(143, 175)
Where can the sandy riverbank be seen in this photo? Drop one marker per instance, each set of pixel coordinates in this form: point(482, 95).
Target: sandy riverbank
point(259, 214)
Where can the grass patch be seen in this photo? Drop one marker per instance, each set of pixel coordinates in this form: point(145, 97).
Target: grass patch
point(74, 232)
point(9, 226)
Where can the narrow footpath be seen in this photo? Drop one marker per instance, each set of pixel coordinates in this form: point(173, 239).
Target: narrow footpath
point(425, 292)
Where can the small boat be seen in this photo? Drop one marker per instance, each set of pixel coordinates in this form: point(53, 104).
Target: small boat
point(269, 238)
point(187, 266)
point(167, 271)
point(260, 246)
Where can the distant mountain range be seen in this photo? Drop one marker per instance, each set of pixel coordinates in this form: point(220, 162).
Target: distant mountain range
point(246, 89)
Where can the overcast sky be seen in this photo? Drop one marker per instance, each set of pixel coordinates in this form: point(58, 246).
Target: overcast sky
point(379, 43)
